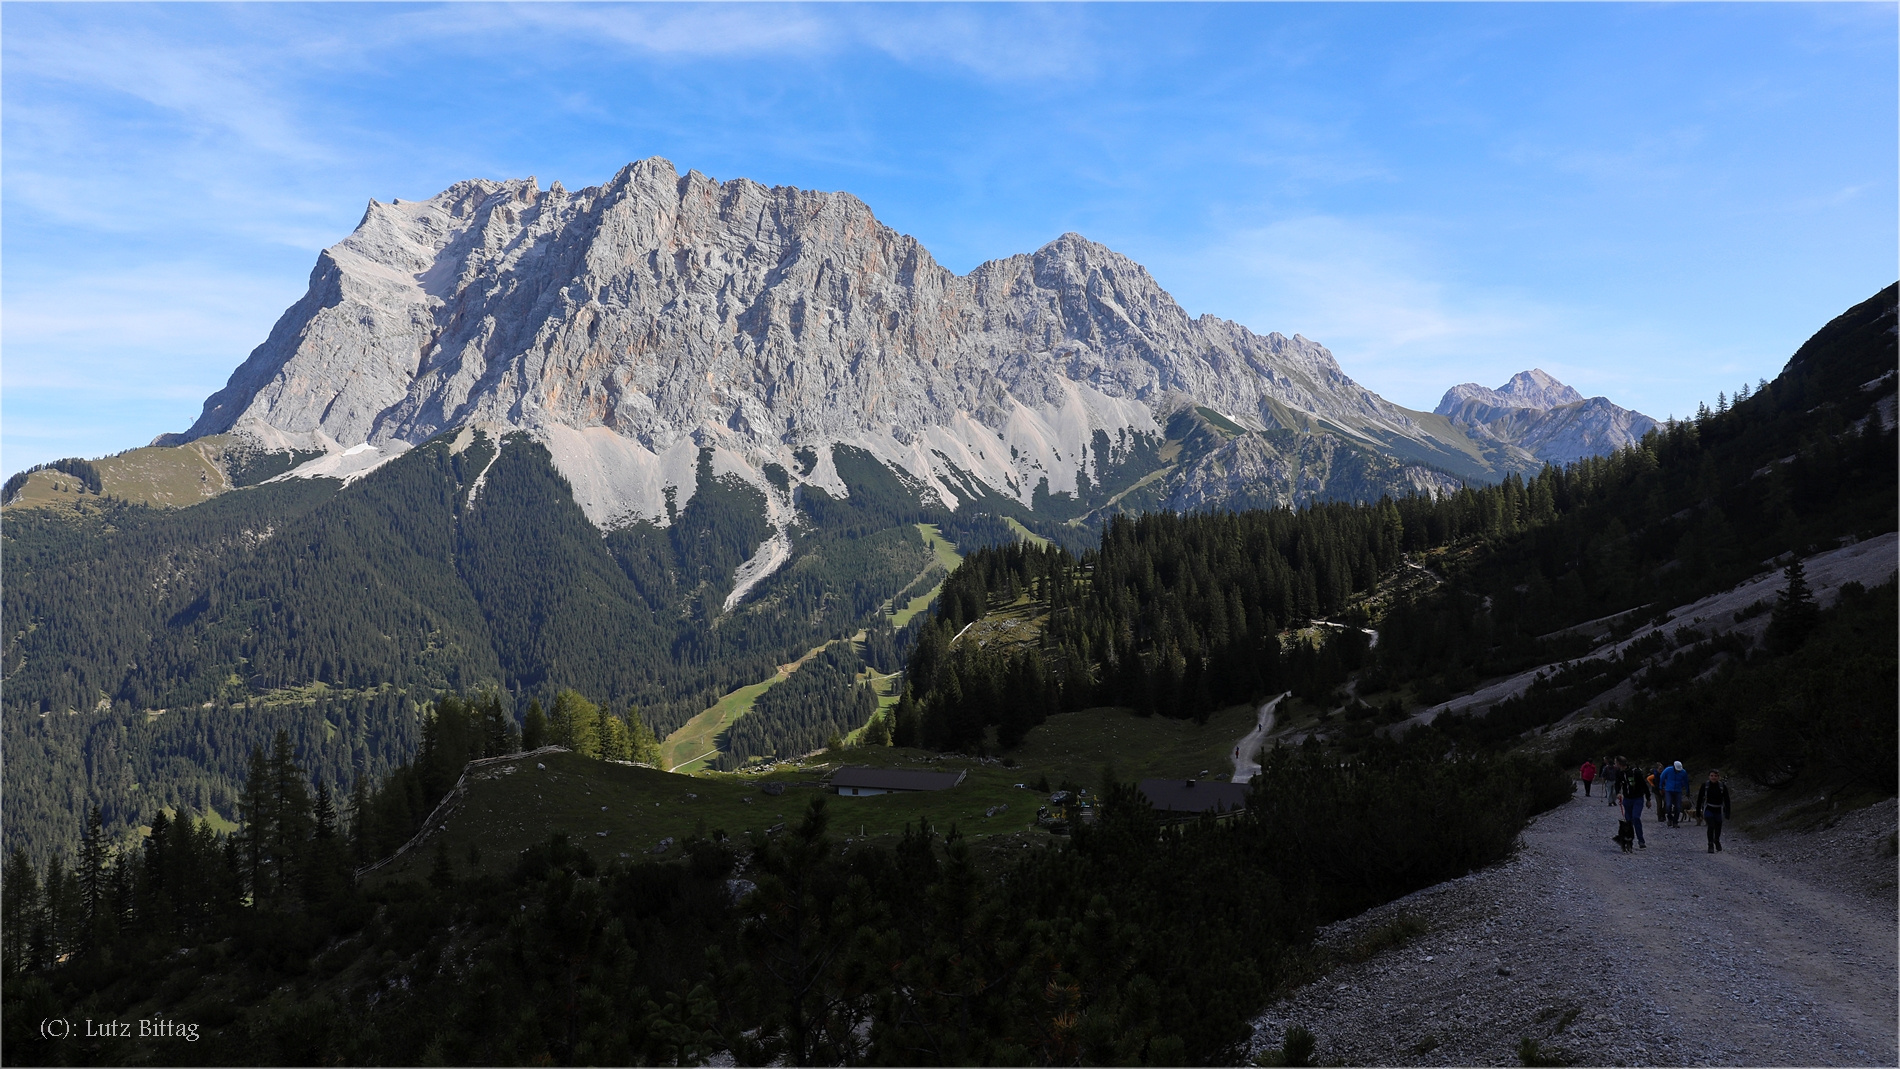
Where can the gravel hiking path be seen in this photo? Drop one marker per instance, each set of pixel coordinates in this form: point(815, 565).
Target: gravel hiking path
point(1764, 954)
point(1247, 754)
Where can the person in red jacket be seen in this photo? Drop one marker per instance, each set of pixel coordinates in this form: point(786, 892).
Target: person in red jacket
point(1589, 773)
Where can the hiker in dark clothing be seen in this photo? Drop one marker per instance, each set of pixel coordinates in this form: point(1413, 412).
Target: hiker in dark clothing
point(1632, 790)
point(1712, 800)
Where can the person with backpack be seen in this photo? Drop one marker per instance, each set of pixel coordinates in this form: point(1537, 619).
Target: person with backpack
point(1674, 782)
point(1712, 799)
point(1588, 773)
point(1632, 790)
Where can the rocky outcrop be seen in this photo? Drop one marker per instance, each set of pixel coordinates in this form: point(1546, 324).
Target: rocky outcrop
point(1541, 419)
point(631, 324)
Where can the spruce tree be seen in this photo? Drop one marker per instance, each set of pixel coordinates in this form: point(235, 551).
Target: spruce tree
point(615, 741)
point(95, 859)
point(534, 728)
point(645, 746)
point(19, 913)
point(251, 841)
point(1795, 612)
point(575, 724)
point(362, 834)
point(290, 815)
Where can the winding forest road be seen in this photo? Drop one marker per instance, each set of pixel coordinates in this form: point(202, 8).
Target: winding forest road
point(1666, 956)
point(1247, 754)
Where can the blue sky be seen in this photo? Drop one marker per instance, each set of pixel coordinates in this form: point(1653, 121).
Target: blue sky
point(1650, 202)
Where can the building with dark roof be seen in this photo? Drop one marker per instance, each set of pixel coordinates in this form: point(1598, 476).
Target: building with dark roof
point(1187, 797)
point(857, 781)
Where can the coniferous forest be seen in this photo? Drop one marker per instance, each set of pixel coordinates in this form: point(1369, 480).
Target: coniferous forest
point(452, 630)
point(817, 706)
point(1124, 945)
point(1178, 615)
point(138, 636)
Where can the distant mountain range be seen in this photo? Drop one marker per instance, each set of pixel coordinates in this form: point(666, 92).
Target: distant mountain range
point(650, 440)
point(627, 326)
point(1541, 417)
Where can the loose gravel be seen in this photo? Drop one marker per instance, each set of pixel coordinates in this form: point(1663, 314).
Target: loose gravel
point(1777, 951)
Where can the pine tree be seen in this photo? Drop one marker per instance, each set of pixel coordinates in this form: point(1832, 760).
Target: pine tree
point(645, 746)
point(20, 907)
point(95, 859)
point(362, 833)
point(290, 815)
point(1795, 612)
point(575, 724)
point(251, 843)
point(155, 902)
point(534, 728)
point(615, 741)
point(907, 720)
point(65, 912)
point(324, 813)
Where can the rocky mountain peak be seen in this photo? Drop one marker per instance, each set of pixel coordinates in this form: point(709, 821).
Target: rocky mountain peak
point(1542, 417)
point(632, 324)
point(1535, 388)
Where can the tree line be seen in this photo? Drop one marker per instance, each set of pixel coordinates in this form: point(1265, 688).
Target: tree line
point(84, 470)
point(1131, 942)
point(814, 707)
point(1178, 615)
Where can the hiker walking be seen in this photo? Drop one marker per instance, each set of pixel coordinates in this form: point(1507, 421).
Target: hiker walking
point(1611, 770)
point(1712, 799)
point(1588, 772)
point(1632, 790)
point(1674, 782)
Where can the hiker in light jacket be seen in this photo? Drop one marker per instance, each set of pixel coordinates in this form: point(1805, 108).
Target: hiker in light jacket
point(1674, 782)
point(1712, 799)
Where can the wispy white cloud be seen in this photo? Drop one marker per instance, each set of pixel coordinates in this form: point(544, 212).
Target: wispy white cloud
point(1399, 313)
point(1006, 43)
point(216, 92)
point(170, 330)
point(1379, 299)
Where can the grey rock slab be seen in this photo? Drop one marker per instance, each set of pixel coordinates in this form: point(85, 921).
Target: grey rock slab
point(630, 324)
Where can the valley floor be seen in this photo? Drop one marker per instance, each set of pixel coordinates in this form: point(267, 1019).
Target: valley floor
point(1777, 951)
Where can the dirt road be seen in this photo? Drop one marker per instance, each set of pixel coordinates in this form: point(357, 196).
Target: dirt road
point(1667, 956)
point(1247, 754)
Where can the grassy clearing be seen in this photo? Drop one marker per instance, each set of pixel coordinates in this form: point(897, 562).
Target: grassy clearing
point(1077, 746)
point(161, 476)
point(164, 476)
point(1018, 624)
point(687, 749)
point(504, 813)
point(1026, 534)
point(885, 686)
point(946, 557)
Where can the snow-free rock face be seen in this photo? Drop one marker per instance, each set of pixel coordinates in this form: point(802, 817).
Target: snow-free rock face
point(630, 325)
point(1543, 418)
